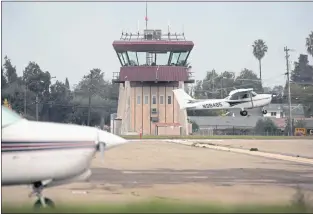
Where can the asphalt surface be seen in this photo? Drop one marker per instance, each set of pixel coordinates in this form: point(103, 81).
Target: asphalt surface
point(222, 177)
point(143, 170)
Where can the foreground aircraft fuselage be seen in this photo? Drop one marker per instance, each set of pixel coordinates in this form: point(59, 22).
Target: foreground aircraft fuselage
point(45, 154)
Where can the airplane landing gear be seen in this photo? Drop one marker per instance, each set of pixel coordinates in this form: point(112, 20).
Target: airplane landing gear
point(41, 202)
point(264, 111)
point(243, 113)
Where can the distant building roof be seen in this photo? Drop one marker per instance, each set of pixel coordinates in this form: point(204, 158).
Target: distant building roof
point(225, 122)
point(309, 123)
point(274, 107)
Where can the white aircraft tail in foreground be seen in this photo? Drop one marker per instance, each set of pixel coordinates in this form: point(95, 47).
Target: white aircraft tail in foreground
point(43, 154)
point(237, 99)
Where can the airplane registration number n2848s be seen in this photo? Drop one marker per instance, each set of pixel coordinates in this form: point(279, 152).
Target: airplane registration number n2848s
point(212, 105)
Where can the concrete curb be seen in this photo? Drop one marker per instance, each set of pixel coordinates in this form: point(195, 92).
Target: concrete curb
point(243, 151)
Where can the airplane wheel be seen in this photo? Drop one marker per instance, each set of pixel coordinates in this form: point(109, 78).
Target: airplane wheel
point(244, 113)
point(49, 204)
point(264, 111)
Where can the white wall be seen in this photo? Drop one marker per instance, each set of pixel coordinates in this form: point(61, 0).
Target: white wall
point(269, 114)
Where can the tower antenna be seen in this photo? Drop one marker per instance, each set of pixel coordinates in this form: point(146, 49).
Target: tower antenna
point(146, 18)
point(138, 26)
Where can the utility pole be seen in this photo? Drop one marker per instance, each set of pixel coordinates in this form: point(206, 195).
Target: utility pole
point(25, 105)
point(289, 95)
point(89, 108)
point(37, 107)
point(222, 88)
point(89, 98)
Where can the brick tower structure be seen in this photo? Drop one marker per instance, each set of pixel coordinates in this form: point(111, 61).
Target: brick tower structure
point(152, 65)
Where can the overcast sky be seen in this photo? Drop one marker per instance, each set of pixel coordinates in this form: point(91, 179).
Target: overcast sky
point(69, 39)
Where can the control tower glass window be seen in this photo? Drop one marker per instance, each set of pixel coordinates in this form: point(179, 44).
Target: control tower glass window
point(132, 58)
point(178, 58)
point(120, 56)
point(162, 58)
point(141, 56)
point(182, 58)
point(125, 57)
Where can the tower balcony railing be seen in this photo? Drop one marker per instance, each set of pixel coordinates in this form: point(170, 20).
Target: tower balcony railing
point(153, 74)
point(116, 76)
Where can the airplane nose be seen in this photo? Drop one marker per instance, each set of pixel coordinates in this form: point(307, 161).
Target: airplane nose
point(110, 140)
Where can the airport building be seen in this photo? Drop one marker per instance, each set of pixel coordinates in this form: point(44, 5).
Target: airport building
point(152, 65)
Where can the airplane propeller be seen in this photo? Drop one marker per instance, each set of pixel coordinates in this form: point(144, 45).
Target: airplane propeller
point(101, 145)
point(101, 150)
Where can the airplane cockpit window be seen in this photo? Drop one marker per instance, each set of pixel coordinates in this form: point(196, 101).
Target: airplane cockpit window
point(253, 94)
point(9, 116)
point(245, 96)
point(234, 97)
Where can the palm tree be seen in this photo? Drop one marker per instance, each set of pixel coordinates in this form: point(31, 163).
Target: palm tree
point(309, 44)
point(259, 50)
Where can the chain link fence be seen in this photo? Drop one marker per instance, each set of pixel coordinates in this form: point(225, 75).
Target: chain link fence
point(235, 130)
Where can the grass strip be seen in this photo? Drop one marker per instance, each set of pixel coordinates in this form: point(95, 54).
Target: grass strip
point(160, 206)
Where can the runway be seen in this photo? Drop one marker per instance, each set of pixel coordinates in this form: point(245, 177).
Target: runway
point(154, 169)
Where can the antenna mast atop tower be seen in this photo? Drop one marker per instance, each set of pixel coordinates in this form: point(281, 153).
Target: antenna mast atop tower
point(146, 18)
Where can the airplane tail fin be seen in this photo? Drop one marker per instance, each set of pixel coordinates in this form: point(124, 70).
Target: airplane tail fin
point(182, 97)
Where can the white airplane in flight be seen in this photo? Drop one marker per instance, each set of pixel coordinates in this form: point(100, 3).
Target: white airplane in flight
point(237, 99)
point(44, 154)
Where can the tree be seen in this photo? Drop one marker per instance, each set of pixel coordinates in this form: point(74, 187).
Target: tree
point(226, 82)
point(209, 89)
point(248, 79)
point(266, 126)
point(278, 91)
point(67, 84)
point(195, 126)
point(303, 72)
point(10, 70)
point(198, 90)
point(59, 106)
point(301, 87)
point(94, 98)
point(3, 79)
point(309, 44)
point(259, 50)
point(37, 84)
point(13, 87)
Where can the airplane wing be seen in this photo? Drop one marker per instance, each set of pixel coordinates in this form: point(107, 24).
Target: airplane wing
point(239, 91)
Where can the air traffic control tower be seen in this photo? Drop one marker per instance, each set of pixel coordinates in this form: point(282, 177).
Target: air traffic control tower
point(152, 65)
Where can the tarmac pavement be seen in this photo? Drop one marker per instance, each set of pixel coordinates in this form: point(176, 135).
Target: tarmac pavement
point(156, 169)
